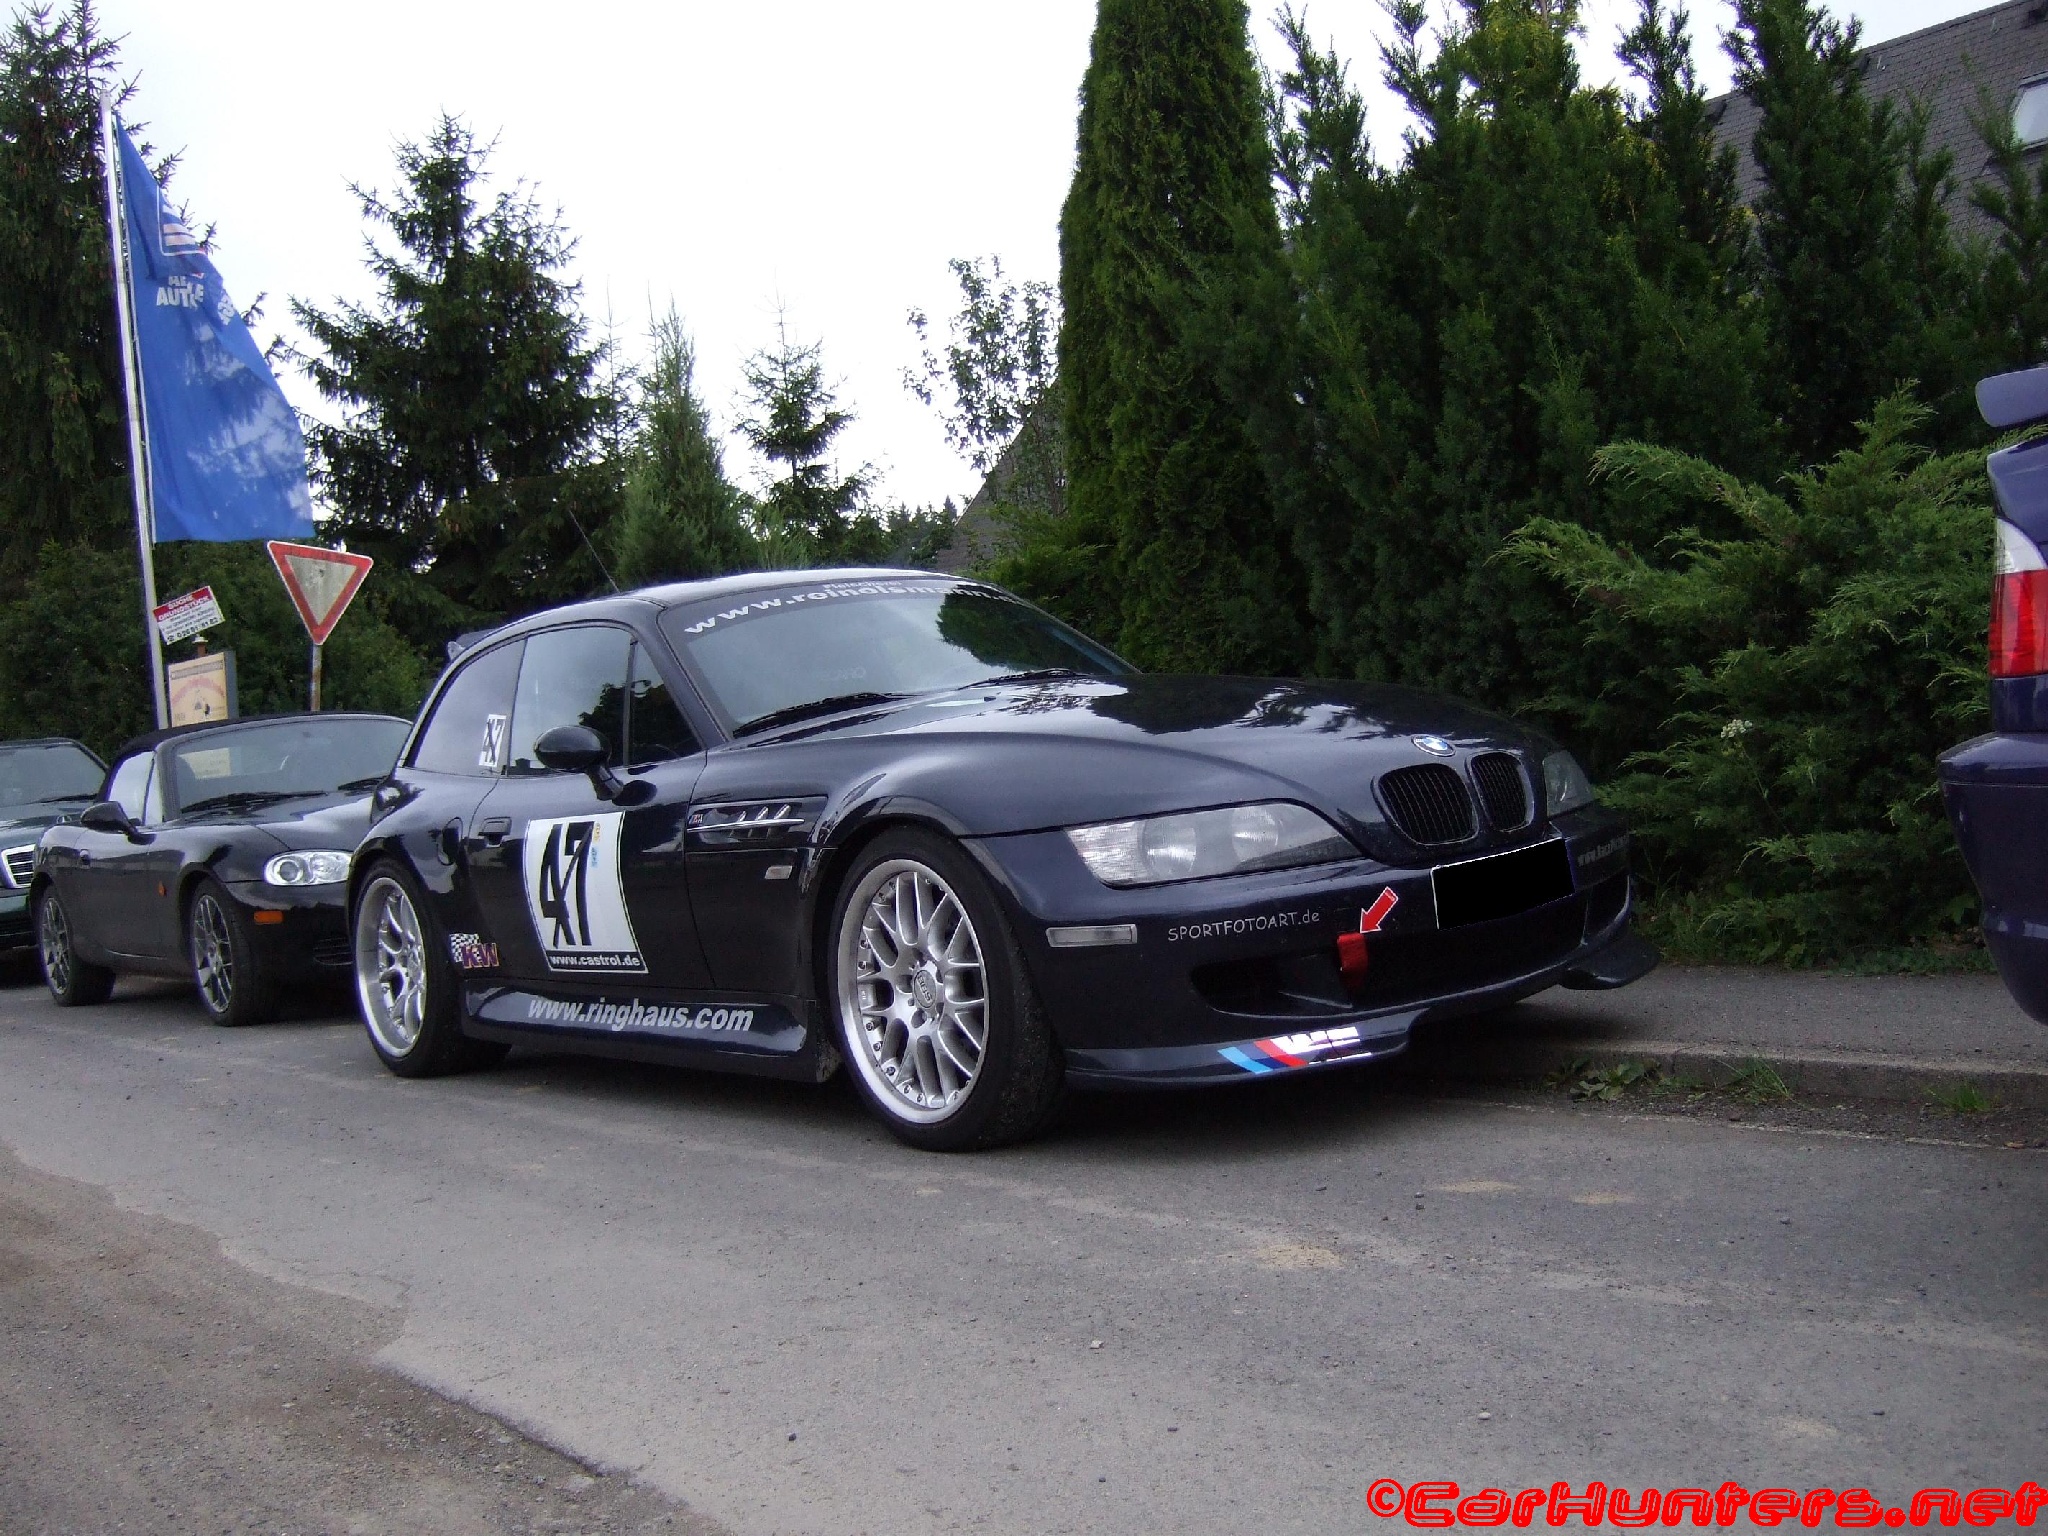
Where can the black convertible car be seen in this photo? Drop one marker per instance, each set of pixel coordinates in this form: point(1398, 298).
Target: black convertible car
point(42, 782)
point(773, 822)
point(218, 852)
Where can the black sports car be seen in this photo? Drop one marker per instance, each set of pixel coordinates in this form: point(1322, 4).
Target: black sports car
point(218, 852)
point(42, 782)
point(771, 822)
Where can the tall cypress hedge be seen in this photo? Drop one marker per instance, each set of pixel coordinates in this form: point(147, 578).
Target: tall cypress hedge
point(1173, 549)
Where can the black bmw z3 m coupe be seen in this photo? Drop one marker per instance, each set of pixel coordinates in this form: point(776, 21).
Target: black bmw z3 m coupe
point(910, 824)
point(217, 852)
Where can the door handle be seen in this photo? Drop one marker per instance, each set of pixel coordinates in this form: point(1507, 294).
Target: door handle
point(84, 857)
point(493, 829)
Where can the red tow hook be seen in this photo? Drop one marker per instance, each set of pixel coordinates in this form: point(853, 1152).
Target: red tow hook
point(1353, 959)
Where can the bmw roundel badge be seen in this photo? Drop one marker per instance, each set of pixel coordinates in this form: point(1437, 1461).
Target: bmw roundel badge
point(1435, 746)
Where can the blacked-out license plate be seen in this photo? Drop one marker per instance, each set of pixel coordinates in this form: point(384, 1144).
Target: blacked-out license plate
point(1502, 884)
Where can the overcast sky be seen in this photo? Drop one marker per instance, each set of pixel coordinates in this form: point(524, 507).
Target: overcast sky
point(820, 157)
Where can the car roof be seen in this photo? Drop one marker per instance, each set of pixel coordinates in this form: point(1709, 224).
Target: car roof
point(677, 594)
point(48, 741)
point(150, 740)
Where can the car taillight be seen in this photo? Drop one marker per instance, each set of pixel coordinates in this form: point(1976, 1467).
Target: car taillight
point(2019, 606)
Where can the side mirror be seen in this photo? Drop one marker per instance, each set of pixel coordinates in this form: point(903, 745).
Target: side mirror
point(579, 749)
point(107, 816)
point(571, 749)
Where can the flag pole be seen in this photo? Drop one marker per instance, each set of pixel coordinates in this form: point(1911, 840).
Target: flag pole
point(138, 431)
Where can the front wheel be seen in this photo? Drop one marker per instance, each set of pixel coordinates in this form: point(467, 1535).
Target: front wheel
point(406, 984)
point(945, 1033)
point(73, 982)
point(234, 986)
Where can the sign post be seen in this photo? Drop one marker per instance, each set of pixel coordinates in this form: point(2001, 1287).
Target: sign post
point(322, 583)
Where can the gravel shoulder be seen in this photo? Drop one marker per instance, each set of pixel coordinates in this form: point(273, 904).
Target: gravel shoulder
point(149, 1384)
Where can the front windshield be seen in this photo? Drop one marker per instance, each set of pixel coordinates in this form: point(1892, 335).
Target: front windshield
point(777, 653)
point(41, 775)
point(283, 760)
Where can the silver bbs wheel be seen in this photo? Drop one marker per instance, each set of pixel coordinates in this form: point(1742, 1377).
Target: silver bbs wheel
point(391, 966)
point(213, 954)
point(913, 993)
point(54, 937)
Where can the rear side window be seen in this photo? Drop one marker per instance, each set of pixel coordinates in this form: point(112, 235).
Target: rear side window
point(572, 677)
point(655, 729)
point(471, 723)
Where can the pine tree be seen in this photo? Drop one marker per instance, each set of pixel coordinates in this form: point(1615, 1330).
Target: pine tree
point(682, 516)
point(1170, 212)
point(810, 513)
point(469, 398)
point(63, 442)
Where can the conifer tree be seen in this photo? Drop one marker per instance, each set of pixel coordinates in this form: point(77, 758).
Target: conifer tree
point(810, 513)
point(682, 516)
point(1832, 157)
point(469, 400)
point(1171, 196)
point(63, 443)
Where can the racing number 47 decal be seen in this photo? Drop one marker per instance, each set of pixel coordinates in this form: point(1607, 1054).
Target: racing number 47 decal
point(576, 896)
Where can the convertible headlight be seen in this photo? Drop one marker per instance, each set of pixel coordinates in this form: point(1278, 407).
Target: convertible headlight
point(1565, 785)
point(320, 867)
point(1232, 841)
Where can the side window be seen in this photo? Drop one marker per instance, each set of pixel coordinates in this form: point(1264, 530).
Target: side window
point(471, 722)
point(572, 677)
point(153, 801)
point(655, 729)
point(130, 786)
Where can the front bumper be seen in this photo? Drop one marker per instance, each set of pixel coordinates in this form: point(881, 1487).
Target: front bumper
point(1996, 790)
point(1218, 980)
point(17, 923)
point(308, 938)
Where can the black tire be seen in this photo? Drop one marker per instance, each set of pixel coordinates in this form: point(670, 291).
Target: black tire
point(235, 987)
point(73, 983)
point(906, 1053)
point(411, 1006)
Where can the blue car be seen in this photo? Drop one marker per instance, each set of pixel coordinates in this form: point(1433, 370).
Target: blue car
point(1996, 786)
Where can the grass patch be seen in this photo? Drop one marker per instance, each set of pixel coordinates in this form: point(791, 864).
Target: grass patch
point(1758, 1083)
point(1963, 1099)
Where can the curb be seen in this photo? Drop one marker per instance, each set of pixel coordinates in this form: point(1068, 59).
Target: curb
point(1836, 1074)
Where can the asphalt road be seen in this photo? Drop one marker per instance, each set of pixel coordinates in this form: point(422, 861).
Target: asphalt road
point(1216, 1313)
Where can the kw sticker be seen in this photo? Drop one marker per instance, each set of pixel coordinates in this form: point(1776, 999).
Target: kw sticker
point(473, 952)
point(575, 895)
point(1302, 1050)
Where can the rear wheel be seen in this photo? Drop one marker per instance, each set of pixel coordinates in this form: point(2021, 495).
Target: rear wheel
point(73, 982)
point(406, 982)
point(948, 1043)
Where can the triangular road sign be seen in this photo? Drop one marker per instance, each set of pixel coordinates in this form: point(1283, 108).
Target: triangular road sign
point(321, 582)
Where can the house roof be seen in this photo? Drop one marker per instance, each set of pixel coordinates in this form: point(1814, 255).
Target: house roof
point(1950, 67)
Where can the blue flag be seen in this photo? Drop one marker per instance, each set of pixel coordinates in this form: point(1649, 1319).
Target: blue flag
point(226, 458)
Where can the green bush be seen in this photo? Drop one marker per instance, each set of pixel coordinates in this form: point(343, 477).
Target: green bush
point(1821, 658)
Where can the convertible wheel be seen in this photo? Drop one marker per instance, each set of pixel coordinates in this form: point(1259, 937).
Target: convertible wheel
point(946, 1036)
point(220, 941)
point(406, 982)
point(73, 982)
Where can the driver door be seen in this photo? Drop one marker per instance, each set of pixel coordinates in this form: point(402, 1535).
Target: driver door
point(586, 893)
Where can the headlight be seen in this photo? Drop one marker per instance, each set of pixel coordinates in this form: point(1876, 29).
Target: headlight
point(1233, 841)
point(316, 868)
point(1565, 785)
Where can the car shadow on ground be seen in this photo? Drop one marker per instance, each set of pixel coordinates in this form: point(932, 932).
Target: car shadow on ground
point(1321, 1109)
